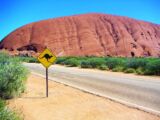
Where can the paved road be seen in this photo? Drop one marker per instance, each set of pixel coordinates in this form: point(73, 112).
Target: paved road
point(137, 91)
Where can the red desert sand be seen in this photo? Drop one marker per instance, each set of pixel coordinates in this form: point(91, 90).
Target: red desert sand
point(67, 103)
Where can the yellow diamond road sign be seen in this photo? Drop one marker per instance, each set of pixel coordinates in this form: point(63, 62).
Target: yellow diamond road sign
point(47, 58)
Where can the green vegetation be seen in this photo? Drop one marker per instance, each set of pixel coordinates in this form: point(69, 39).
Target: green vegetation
point(140, 71)
point(103, 67)
point(85, 64)
point(136, 63)
point(72, 62)
point(141, 66)
point(118, 69)
point(28, 59)
point(12, 83)
point(153, 67)
point(12, 76)
point(129, 70)
point(6, 113)
point(114, 62)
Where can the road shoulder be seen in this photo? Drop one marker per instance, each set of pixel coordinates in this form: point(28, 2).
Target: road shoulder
point(66, 103)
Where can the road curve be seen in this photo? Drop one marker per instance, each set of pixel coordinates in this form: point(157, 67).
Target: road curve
point(142, 92)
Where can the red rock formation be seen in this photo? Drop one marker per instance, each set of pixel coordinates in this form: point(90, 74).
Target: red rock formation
point(90, 34)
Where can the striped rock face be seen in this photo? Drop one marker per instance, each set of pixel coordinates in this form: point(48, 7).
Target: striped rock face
point(89, 34)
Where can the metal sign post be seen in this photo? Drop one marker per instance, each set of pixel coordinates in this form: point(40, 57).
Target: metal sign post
point(47, 58)
point(46, 82)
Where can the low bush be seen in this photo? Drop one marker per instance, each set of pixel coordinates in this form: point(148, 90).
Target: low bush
point(153, 68)
point(129, 70)
point(12, 76)
point(148, 66)
point(33, 60)
point(103, 67)
point(118, 69)
point(136, 63)
point(96, 62)
point(60, 60)
point(85, 64)
point(28, 59)
point(72, 62)
point(6, 113)
point(4, 57)
point(114, 62)
point(140, 71)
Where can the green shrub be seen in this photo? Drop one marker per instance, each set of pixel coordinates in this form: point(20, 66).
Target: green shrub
point(136, 63)
point(103, 67)
point(153, 68)
point(2, 104)
point(129, 70)
point(72, 62)
point(118, 69)
point(12, 77)
point(140, 71)
point(85, 64)
point(6, 113)
point(28, 59)
point(96, 62)
point(60, 60)
point(114, 62)
point(4, 57)
point(33, 60)
point(148, 66)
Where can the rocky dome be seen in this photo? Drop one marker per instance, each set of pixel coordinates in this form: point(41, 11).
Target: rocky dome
point(86, 35)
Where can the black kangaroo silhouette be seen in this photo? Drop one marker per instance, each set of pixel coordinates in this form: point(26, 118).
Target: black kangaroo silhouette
point(47, 56)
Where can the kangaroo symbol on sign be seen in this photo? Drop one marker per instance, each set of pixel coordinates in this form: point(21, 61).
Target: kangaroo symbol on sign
point(47, 57)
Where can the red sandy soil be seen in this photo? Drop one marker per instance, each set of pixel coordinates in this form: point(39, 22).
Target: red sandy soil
point(66, 103)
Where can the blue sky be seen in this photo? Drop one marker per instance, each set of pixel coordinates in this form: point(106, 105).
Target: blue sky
point(16, 13)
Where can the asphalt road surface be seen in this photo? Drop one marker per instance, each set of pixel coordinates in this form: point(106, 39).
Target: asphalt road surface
point(142, 92)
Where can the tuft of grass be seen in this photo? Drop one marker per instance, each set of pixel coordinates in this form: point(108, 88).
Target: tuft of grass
point(12, 76)
point(61, 60)
point(85, 64)
point(72, 62)
point(103, 67)
point(153, 67)
point(28, 59)
point(140, 71)
point(118, 69)
point(136, 63)
point(130, 70)
point(6, 113)
point(96, 62)
point(114, 62)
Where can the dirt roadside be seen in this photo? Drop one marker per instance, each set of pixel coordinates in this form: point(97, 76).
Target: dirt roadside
point(66, 103)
